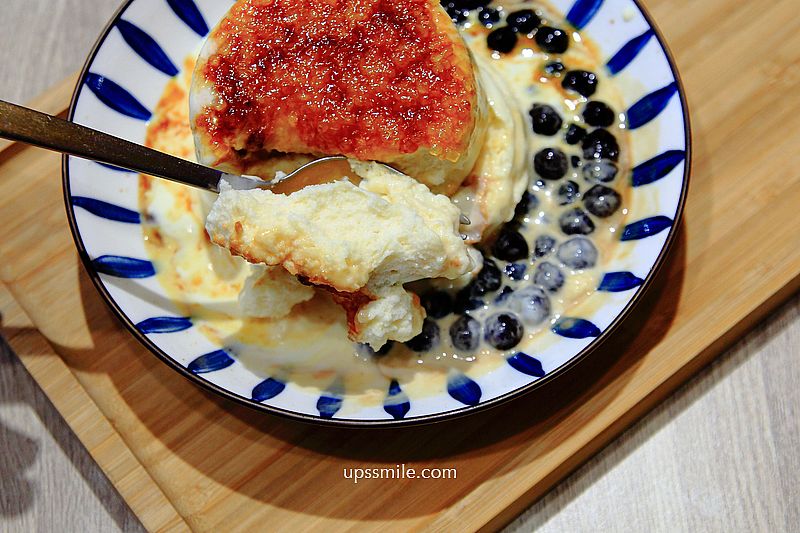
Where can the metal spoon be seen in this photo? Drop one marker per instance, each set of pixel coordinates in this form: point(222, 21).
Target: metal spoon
point(19, 123)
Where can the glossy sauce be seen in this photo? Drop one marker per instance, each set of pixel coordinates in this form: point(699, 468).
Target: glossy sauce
point(310, 347)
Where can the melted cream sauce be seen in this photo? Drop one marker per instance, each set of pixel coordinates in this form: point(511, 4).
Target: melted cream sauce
point(310, 347)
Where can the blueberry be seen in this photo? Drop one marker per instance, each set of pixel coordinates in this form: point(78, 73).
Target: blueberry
point(550, 163)
point(467, 300)
point(574, 134)
point(526, 203)
point(438, 304)
point(457, 15)
point(602, 201)
point(554, 68)
point(576, 222)
point(546, 120)
point(600, 144)
point(552, 40)
point(575, 161)
point(488, 279)
point(459, 9)
point(523, 21)
point(427, 339)
point(599, 170)
point(568, 192)
point(386, 348)
point(548, 276)
point(466, 333)
point(488, 16)
point(532, 304)
point(503, 331)
point(503, 296)
point(598, 114)
point(515, 271)
point(544, 246)
point(467, 5)
point(510, 246)
point(502, 40)
point(578, 253)
point(581, 82)
point(367, 349)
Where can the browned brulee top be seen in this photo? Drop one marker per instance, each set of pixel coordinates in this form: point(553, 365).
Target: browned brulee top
point(356, 77)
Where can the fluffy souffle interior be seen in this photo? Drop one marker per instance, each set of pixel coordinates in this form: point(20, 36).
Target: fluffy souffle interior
point(278, 83)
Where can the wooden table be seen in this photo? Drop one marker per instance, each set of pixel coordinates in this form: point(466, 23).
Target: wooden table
point(720, 454)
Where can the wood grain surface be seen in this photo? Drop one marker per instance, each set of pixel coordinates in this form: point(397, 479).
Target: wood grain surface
point(724, 269)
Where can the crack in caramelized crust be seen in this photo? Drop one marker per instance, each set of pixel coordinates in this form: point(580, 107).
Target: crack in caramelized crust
point(385, 80)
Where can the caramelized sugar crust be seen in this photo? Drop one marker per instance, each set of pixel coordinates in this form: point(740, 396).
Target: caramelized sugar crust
point(370, 79)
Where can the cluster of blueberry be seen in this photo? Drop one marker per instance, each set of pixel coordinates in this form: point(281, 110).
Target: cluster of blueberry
point(521, 22)
point(514, 308)
point(504, 298)
point(528, 304)
point(502, 330)
point(600, 151)
point(459, 11)
point(525, 22)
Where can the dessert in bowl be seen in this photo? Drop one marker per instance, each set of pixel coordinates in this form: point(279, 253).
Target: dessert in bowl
point(375, 81)
point(367, 302)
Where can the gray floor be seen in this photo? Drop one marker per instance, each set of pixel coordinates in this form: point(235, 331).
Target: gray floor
point(48, 481)
point(720, 455)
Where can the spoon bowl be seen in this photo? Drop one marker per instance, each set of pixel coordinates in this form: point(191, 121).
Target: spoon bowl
point(22, 124)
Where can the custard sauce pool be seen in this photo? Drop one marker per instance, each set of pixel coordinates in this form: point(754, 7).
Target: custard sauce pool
point(310, 347)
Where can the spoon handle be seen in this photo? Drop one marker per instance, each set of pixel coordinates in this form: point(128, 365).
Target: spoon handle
point(19, 123)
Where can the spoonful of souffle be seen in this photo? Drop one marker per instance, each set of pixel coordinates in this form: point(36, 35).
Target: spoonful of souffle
point(21, 124)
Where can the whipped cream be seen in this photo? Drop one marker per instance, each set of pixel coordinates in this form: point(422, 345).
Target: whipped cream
point(360, 242)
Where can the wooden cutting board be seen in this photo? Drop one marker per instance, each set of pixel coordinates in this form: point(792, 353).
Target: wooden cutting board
point(183, 458)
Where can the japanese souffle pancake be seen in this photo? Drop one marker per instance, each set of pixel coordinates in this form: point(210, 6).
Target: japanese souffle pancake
point(374, 80)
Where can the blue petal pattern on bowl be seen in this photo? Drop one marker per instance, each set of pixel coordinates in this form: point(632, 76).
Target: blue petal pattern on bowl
point(107, 210)
point(575, 328)
point(211, 362)
point(650, 106)
point(114, 96)
point(396, 402)
point(267, 389)
point(619, 282)
point(146, 47)
point(526, 364)
point(646, 228)
point(328, 405)
point(628, 53)
point(164, 324)
point(121, 107)
point(124, 267)
point(658, 167)
point(582, 12)
point(463, 389)
point(187, 11)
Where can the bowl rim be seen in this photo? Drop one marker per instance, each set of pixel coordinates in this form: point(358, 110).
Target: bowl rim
point(383, 423)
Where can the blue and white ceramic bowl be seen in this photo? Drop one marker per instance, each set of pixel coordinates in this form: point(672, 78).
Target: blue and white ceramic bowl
point(121, 83)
